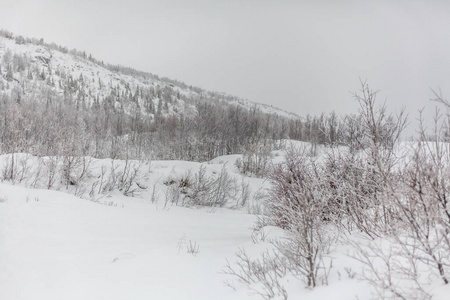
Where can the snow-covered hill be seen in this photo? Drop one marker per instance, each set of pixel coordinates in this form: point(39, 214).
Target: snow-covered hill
point(120, 112)
point(32, 66)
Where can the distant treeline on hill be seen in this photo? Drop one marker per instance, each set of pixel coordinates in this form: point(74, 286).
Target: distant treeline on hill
point(51, 110)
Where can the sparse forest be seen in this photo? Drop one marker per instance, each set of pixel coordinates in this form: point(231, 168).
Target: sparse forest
point(47, 109)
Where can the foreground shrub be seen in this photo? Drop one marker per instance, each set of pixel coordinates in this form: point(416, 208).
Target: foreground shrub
point(296, 203)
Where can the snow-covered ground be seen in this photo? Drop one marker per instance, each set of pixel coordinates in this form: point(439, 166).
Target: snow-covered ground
point(57, 246)
point(54, 245)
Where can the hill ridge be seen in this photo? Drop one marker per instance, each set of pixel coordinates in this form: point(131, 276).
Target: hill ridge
point(47, 53)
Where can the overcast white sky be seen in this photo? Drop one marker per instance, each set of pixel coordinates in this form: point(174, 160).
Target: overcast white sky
point(302, 56)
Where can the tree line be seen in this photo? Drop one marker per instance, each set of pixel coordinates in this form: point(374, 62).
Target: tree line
point(52, 110)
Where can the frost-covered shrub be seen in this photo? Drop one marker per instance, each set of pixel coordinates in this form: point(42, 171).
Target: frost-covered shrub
point(76, 174)
point(130, 178)
point(263, 275)
point(201, 189)
point(414, 251)
point(423, 210)
point(355, 192)
point(212, 191)
point(255, 161)
point(50, 165)
point(391, 269)
point(16, 167)
point(296, 203)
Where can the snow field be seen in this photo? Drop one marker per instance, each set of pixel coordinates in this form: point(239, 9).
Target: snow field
point(62, 247)
point(54, 245)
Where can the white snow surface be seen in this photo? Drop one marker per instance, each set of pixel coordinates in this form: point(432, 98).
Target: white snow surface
point(62, 247)
point(56, 246)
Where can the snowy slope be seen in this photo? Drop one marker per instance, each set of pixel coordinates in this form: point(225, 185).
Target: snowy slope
point(100, 80)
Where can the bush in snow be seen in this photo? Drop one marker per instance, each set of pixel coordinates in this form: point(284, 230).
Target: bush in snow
point(129, 178)
point(76, 174)
point(263, 275)
point(417, 240)
point(297, 204)
point(17, 167)
point(421, 201)
point(255, 161)
point(201, 189)
point(354, 191)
